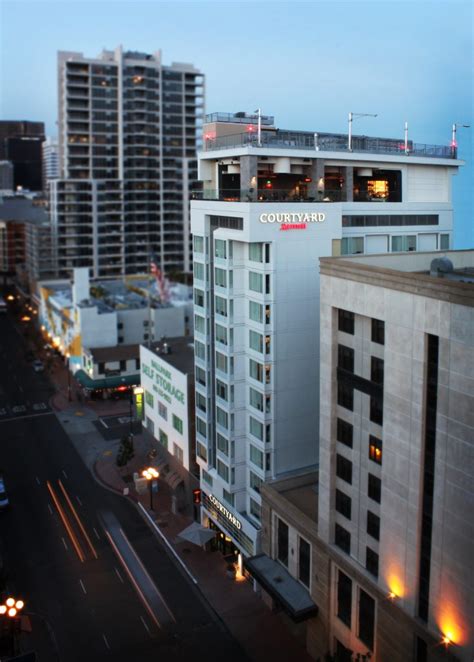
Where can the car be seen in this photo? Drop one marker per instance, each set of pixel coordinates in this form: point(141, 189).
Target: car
point(3, 494)
point(38, 366)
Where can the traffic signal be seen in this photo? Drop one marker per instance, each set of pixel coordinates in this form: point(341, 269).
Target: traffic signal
point(197, 496)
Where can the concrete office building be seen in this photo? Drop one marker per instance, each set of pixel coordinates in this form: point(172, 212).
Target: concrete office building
point(50, 149)
point(381, 542)
point(272, 204)
point(6, 177)
point(128, 132)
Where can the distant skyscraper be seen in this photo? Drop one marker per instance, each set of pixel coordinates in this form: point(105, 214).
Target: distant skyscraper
point(50, 161)
point(6, 176)
point(128, 129)
point(20, 143)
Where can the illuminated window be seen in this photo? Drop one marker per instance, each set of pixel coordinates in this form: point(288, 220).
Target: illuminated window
point(378, 188)
point(375, 449)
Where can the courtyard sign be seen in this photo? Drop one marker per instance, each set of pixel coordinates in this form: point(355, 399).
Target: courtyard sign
point(293, 218)
point(223, 510)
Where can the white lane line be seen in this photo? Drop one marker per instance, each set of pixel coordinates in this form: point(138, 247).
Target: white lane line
point(64, 473)
point(145, 624)
point(38, 480)
point(82, 586)
point(78, 500)
point(20, 418)
point(50, 509)
point(103, 423)
point(64, 543)
point(105, 641)
point(119, 575)
point(97, 535)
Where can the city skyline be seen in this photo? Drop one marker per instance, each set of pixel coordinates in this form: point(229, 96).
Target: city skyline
point(393, 63)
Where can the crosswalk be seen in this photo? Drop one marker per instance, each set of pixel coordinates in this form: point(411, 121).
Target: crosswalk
point(18, 410)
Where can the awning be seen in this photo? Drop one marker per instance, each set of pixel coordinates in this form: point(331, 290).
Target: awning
point(107, 382)
point(196, 534)
point(284, 588)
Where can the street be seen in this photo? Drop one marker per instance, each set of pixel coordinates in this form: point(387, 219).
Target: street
point(81, 557)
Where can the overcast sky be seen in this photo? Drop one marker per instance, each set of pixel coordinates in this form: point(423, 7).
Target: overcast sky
point(307, 63)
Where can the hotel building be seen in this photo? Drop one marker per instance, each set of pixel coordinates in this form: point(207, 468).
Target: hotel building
point(375, 549)
point(273, 202)
point(128, 132)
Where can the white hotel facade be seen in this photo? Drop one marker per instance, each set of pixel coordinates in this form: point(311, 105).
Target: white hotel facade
point(272, 204)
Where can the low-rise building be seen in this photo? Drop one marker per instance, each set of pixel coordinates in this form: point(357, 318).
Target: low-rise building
point(106, 368)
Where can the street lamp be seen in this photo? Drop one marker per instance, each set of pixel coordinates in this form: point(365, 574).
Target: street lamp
point(352, 117)
point(454, 143)
point(11, 608)
point(69, 396)
point(259, 127)
point(151, 474)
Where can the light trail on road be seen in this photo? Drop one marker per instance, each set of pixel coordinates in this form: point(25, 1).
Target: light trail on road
point(66, 523)
point(78, 520)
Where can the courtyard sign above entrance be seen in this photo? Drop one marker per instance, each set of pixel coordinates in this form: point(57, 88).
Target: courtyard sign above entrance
point(291, 218)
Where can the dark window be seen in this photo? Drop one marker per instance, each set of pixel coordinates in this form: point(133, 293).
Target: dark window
point(123, 365)
point(137, 364)
point(344, 598)
point(346, 321)
point(343, 654)
point(145, 336)
point(304, 562)
point(228, 222)
point(374, 488)
point(267, 253)
point(343, 504)
point(378, 331)
point(366, 619)
point(373, 525)
point(344, 468)
point(372, 562)
point(146, 322)
point(345, 395)
point(375, 449)
point(421, 650)
point(120, 325)
point(345, 358)
point(344, 432)
point(120, 338)
point(376, 410)
point(389, 220)
point(282, 542)
point(267, 284)
point(342, 538)
point(101, 368)
point(376, 370)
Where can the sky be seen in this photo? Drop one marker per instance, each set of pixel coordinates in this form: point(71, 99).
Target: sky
point(307, 63)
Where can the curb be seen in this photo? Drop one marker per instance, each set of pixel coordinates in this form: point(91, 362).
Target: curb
point(106, 486)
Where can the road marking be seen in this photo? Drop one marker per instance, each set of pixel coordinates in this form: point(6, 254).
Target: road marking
point(38, 480)
point(64, 543)
point(145, 625)
point(50, 509)
point(105, 641)
point(97, 535)
point(82, 586)
point(64, 473)
point(103, 423)
point(78, 500)
point(20, 418)
point(118, 575)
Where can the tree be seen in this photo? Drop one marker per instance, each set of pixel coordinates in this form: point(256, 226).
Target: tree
point(126, 451)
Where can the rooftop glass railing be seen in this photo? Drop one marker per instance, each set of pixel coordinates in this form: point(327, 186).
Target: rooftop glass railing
point(330, 142)
point(239, 118)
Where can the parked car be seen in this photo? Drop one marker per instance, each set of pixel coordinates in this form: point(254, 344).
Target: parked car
point(38, 366)
point(3, 494)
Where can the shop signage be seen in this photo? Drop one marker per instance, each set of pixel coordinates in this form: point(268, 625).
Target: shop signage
point(222, 509)
point(163, 382)
point(296, 218)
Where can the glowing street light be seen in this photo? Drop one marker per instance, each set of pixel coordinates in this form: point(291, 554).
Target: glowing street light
point(151, 474)
point(10, 297)
point(11, 607)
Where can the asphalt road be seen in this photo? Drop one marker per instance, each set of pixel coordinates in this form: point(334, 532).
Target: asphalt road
point(81, 557)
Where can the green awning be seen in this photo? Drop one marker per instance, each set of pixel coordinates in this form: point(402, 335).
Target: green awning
point(105, 382)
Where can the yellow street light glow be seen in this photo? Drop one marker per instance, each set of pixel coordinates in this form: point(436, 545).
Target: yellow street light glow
point(10, 602)
point(43, 328)
point(10, 297)
point(25, 318)
point(12, 612)
point(146, 474)
point(19, 604)
point(3, 609)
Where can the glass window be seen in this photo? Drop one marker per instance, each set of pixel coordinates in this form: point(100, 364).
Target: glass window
point(343, 504)
point(344, 468)
point(345, 395)
point(376, 410)
point(178, 453)
point(346, 321)
point(378, 331)
point(199, 324)
point(221, 277)
point(304, 561)
point(206, 477)
point(256, 399)
point(199, 299)
point(220, 248)
point(227, 496)
point(222, 418)
point(221, 306)
point(256, 456)
point(200, 350)
point(344, 598)
point(149, 399)
point(162, 411)
point(223, 470)
point(344, 432)
point(404, 243)
point(177, 424)
point(163, 438)
point(256, 341)
point(256, 312)
point(444, 242)
point(200, 376)
point(374, 488)
point(366, 619)
point(221, 362)
point(342, 539)
point(256, 370)
point(255, 509)
point(267, 253)
point(255, 282)
point(221, 390)
point(198, 244)
point(372, 562)
point(255, 482)
point(373, 525)
point(352, 245)
point(256, 428)
point(345, 358)
point(198, 271)
point(201, 402)
point(200, 426)
point(201, 451)
point(375, 449)
point(222, 444)
point(256, 252)
point(282, 541)
point(376, 370)
point(221, 334)
point(268, 314)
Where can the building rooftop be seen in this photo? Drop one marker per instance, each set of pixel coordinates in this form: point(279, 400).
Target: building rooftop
point(22, 209)
point(300, 488)
point(118, 353)
point(178, 352)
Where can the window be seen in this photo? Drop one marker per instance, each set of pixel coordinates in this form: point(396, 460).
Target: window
point(376, 410)
point(366, 619)
point(221, 362)
point(352, 245)
point(101, 368)
point(404, 243)
point(222, 418)
point(342, 539)
point(201, 402)
point(376, 370)
point(122, 366)
point(199, 299)
point(268, 426)
point(344, 432)
point(178, 453)
point(345, 358)
point(268, 374)
point(344, 468)
point(268, 462)
point(137, 364)
point(345, 395)
point(222, 444)
point(199, 324)
point(200, 376)
point(201, 426)
point(373, 525)
point(268, 314)
point(221, 277)
point(375, 449)
point(267, 253)
point(378, 331)
point(220, 248)
point(256, 370)
point(198, 271)
point(256, 252)
point(206, 477)
point(221, 390)
point(201, 451)
point(255, 509)
point(444, 242)
point(268, 347)
point(177, 424)
point(256, 341)
point(163, 438)
point(344, 598)
point(221, 334)
point(343, 504)
point(255, 282)
point(256, 428)
point(149, 399)
point(421, 650)
point(223, 470)
point(162, 411)
point(198, 244)
point(346, 321)
point(374, 488)
point(372, 562)
point(227, 496)
point(256, 312)
point(256, 456)
point(255, 481)
point(256, 399)
point(304, 561)
point(267, 284)
point(200, 350)
point(282, 542)
point(221, 306)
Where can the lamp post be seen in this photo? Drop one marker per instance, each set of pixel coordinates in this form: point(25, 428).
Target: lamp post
point(352, 117)
point(454, 143)
point(151, 474)
point(259, 127)
point(11, 609)
point(69, 396)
